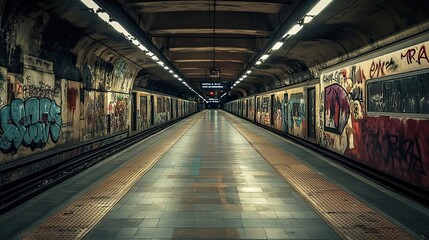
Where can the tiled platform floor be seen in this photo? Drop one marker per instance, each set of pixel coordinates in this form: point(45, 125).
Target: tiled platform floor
point(212, 185)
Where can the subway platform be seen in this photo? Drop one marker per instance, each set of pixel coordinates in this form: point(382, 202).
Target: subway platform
point(216, 176)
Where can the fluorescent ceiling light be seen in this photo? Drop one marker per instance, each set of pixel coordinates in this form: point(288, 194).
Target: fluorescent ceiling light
point(307, 19)
point(294, 30)
point(180, 79)
point(176, 76)
point(166, 68)
point(248, 71)
point(160, 63)
point(154, 57)
point(264, 57)
point(135, 42)
point(258, 63)
point(104, 16)
point(322, 4)
point(143, 48)
point(90, 4)
point(171, 71)
point(244, 76)
point(119, 28)
point(277, 46)
point(129, 37)
point(149, 53)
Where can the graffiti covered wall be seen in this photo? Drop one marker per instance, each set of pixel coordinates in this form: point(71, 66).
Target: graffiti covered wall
point(144, 112)
point(395, 144)
point(277, 111)
point(72, 111)
point(31, 112)
point(118, 112)
point(264, 113)
point(251, 107)
point(296, 113)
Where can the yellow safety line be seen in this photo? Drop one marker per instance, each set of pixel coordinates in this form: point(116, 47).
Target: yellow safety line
point(77, 219)
point(348, 216)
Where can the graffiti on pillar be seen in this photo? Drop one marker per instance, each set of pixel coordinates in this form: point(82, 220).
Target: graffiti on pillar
point(30, 123)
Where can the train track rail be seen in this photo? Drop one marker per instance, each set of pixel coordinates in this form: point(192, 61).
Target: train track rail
point(407, 190)
point(17, 192)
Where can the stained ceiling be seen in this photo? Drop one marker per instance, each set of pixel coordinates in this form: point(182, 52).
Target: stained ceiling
point(199, 36)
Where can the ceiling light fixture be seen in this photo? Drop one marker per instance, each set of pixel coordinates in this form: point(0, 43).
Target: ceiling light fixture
point(149, 53)
point(294, 30)
point(277, 46)
point(322, 4)
point(264, 57)
point(307, 19)
point(315, 10)
point(103, 15)
point(143, 48)
point(91, 5)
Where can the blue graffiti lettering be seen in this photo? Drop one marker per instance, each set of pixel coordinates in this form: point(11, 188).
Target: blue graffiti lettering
point(29, 123)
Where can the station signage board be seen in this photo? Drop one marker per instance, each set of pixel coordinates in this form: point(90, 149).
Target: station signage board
point(214, 85)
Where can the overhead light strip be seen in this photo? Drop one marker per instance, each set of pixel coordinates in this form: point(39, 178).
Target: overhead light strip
point(119, 28)
point(318, 8)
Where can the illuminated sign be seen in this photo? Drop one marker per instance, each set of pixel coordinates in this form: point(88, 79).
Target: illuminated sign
point(214, 85)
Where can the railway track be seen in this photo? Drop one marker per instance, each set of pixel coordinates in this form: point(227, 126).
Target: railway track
point(17, 192)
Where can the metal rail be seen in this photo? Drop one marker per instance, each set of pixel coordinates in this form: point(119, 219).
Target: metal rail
point(15, 193)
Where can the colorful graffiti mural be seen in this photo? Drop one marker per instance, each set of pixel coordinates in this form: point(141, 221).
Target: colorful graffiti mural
point(71, 117)
point(3, 86)
point(393, 144)
point(337, 109)
point(118, 112)
point(277, 111)
point(89, 106)
point(296, 112)
point(29, 122)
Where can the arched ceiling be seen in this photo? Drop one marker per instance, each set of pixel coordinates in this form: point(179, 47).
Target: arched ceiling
point(197, 36)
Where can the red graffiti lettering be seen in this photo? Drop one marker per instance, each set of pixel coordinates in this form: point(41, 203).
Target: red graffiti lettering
point(422, 55)
point(409, 55)
point(411, 58)
point(377, 69)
